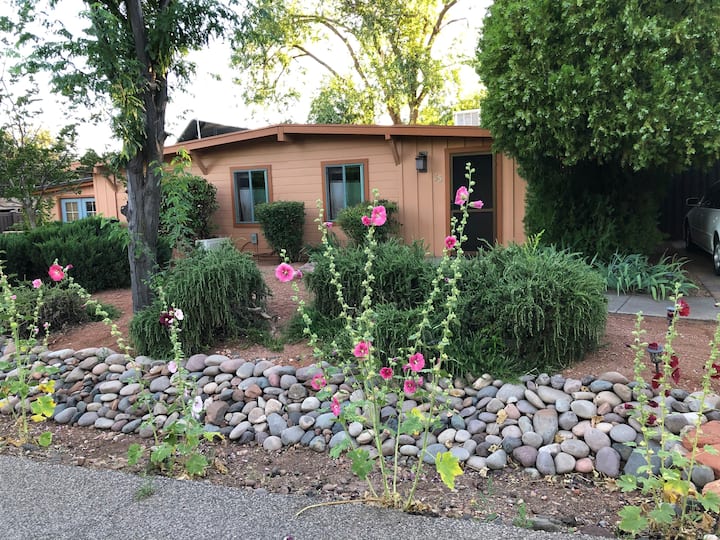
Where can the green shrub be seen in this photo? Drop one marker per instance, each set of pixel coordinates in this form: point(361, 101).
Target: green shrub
point(95, 246)
point(222, 293)
point(522, 308)
point(187, 204)
point(594, 210)
point(402, 276)
point(62, 307)
point(548, 306)
point(349, 220)
point(282, 224)
point(635, 273)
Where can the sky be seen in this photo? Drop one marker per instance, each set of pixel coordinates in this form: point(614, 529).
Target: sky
point(219, 100)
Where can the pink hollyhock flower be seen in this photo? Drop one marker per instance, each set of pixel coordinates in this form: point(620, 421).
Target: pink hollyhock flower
point(335, 406)
point(378, 217)
point(284, 272)
point(318, 381)
point(450, 242)
point(684, 308)
point(366, 221)
point(461, 196)
point(37, 283)
point(172, 366)
point(178, 314)
point(361, 350)
point(13, 297)
point(297, 275)
point(328, 224)
point(410, 387)
point(56, 272)
point(416, 362)
point(477, 204)
point(386, 373)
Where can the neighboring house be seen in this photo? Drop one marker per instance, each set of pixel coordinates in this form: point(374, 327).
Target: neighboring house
point(10, 213)
point(419, 167)
point(99, 194)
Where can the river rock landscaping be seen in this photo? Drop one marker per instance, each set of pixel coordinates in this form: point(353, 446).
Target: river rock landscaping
point(546, 425)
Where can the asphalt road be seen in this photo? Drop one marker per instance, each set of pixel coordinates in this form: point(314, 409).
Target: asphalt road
point(44, 501)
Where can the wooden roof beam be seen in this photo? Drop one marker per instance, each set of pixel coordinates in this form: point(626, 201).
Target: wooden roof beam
point(393, 148)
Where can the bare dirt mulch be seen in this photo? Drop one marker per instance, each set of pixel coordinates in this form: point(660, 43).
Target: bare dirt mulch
point(586, 503)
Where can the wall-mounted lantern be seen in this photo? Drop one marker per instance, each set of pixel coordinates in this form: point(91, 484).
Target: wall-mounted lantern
point(421, 162)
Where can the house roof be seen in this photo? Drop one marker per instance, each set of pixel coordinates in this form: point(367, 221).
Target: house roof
point(200, 129)
point(285, 133)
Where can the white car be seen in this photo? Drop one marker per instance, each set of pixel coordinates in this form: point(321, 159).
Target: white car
point(702, 224)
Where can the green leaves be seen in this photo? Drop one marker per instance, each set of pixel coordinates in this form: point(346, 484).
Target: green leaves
point(362, 464)
point(448, 466)
point(604, 82)
point(134, 453)
point(632, 520)
point(390, 42)
point(45, 439)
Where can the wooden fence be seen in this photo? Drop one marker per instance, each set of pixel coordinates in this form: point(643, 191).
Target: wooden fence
point(8, 219)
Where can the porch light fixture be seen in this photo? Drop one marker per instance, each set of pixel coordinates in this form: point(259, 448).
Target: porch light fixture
point(421, 162)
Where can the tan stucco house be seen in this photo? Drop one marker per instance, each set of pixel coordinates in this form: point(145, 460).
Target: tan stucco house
point(419, 167)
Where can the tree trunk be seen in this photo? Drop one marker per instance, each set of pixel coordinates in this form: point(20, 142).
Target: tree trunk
point(144, 169)
point(143, 230)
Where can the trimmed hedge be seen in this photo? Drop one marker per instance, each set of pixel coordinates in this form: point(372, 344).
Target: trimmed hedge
point(222, 294)
point(350, 221)
point(95, 246)
point(282, 224)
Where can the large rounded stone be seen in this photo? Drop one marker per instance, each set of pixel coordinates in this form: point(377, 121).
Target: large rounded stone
point(510, 393)
point(622, 433)
point(545, 463)
point(576, 448)
point(525, 455)
point(596, 439)
point(583, 408)
point(497, 460)
point(564, 463)
point(292, 435)
point(545, 424)
point(607, 461)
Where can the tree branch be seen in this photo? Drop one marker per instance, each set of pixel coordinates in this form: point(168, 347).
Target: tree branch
point(318, 60)
point(438, 22)
point(333, 27)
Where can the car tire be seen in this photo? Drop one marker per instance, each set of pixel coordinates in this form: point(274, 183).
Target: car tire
point(689, 246)
point(716, 257)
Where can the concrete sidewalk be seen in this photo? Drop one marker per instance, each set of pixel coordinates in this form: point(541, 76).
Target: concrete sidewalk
point(43, 501)
point(702, 308)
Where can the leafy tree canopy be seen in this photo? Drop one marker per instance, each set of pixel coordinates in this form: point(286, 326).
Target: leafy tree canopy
point(388, 44)
point(631, 82)
point(130, 53)
point(34, 166)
